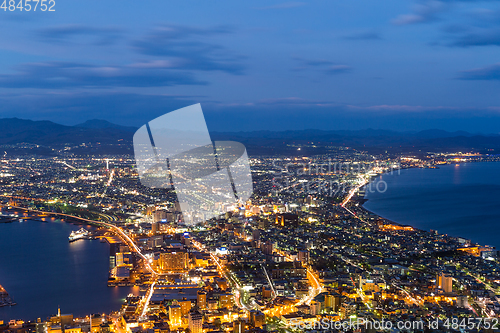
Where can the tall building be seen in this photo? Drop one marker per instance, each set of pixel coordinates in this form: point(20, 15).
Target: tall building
point(175, 315)
point(445, 283)
point(267, 248)
point(332, 301)
point(159, 215)
point(174, 261)
point(257, 318)
point(256, 234)
point(201, 300)
point(195, 322)
point(185, 306)
point(154, 228)
point(303, 256)
point(239, 326)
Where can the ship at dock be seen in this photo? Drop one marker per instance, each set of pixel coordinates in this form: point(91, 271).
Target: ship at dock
point(80, 234)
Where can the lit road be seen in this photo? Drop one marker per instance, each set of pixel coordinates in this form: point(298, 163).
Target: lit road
point(239, 293)
point(120, 233)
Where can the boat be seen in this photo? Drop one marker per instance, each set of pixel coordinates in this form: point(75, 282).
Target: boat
point(80, 234)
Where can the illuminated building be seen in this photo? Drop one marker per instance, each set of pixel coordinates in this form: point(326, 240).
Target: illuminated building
point(257, 318)
point(225, 301)
point(175, 315)
point(174, 261)
point(315, 308)
point(287, 220)
point(185, 306)
point(303, 256)
point(123, 258)
point(239, 326)
point(444, 283)
point(159, 215)
point(201, 300)
point(154, 228)
point(212, 304)
point(266, 292)
point(332, 302)
point(195, 322)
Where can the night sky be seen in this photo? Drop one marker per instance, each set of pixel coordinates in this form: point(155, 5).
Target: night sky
point(253, 65)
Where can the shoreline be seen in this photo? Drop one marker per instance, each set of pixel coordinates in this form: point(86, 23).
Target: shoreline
point(362, 201)
point(109, 302)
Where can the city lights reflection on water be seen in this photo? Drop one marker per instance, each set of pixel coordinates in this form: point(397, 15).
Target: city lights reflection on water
point(43, 271)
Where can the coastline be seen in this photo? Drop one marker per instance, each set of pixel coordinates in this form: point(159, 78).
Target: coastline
point(113, 302)
point(363, 200)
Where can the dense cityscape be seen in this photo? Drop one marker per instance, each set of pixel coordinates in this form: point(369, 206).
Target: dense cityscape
point(302, 254)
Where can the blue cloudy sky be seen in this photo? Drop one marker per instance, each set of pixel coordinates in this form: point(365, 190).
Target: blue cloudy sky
point(351, 64)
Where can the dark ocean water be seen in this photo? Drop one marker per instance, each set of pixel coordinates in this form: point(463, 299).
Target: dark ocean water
point(41, 270)
point(459, 200)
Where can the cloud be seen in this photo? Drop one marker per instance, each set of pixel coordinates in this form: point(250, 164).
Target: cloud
point(75, 32)
point(478, 38)
point(326, 66)
point(363, 36)
point(187, 48)
point(284, 5)
point(60, 75)
point(483, 30)
point(423, 12)
point(486, 73)
point(338, 69)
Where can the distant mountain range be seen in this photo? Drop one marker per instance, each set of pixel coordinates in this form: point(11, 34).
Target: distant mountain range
point(46, 133)
point(104, 124)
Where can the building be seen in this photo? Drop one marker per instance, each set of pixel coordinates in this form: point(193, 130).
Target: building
point(266, 292)
point(303, 256)
point(263, 224)
point(185, 305)
point(267, 248)
point(256, 234)
point(195, 322)
point(225, 301)
point(175, 315)
point(174, 261)
point(159, 215)
point(239, 326)
point(287, 220)
point(257, 318)
point(444, 283)
point(154, 228)
point(332, 302)
point(124, 258)
point(201, 300)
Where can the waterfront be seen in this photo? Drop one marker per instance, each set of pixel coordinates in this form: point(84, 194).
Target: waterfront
point(460, 200)
point(41, 270)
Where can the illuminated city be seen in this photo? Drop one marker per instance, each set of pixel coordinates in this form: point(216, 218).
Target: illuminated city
point(301, 250)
